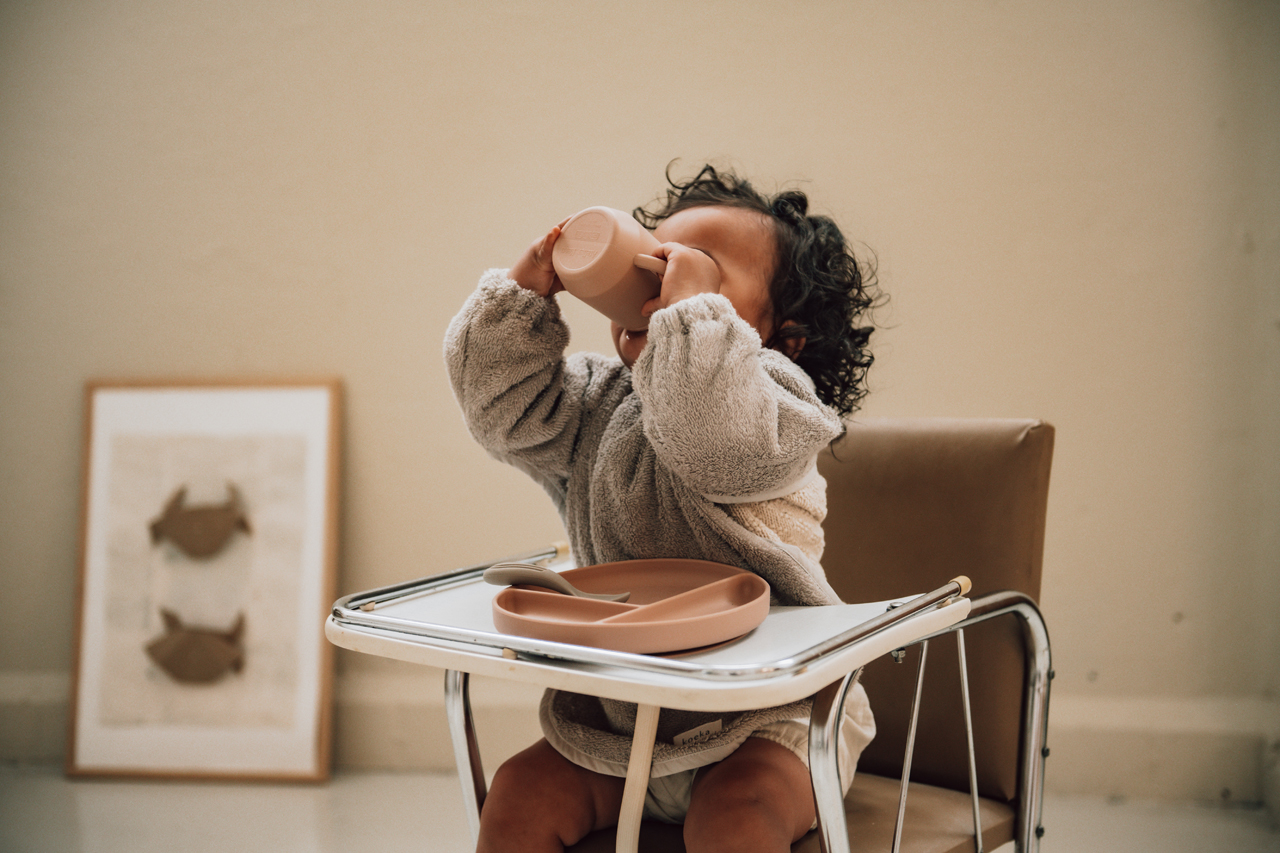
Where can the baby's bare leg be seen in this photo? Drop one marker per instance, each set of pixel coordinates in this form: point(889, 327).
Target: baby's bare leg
point(758, 800)
point(541, 801)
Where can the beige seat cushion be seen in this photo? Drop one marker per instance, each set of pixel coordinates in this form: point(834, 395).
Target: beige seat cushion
point(939, 820)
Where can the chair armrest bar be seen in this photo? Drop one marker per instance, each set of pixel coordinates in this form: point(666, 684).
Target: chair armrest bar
point(1035, 708)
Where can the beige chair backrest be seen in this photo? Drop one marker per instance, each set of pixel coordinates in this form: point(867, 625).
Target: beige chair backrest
point(913, 502)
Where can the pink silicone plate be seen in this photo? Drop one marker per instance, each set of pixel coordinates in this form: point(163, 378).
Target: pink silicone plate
point(675, 605)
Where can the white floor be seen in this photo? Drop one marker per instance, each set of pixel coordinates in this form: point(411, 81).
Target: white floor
point(43, 812)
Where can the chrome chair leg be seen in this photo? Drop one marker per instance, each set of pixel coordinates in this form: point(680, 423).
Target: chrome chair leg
point(1036, 725)
point(824, 762)
point(466, 749)
point(968, 730)
point(911, 745)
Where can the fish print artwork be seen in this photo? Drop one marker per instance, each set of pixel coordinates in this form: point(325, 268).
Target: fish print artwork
point(202, 530)
point(197, 655)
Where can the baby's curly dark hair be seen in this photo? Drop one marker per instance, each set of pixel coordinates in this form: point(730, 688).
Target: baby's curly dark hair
point(818, 285)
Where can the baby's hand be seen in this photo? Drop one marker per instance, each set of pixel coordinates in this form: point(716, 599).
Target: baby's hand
point(534, 270)
point(689, 272)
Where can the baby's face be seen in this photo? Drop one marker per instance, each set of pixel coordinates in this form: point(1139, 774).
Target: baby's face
point(741, 242)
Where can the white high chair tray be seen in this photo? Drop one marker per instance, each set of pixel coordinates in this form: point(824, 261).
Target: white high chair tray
point(446, 621)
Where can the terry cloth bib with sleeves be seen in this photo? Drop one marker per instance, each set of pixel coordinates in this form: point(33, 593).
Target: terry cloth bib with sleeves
point(706, 450)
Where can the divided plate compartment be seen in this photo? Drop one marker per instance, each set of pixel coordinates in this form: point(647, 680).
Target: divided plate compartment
point(675, 605)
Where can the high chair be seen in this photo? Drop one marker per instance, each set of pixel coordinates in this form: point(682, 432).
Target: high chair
point(911, 503)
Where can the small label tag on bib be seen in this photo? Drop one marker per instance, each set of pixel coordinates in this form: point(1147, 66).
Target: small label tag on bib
point(701, 733)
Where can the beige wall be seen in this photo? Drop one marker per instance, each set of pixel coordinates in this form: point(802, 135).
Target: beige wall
point(1074, 207)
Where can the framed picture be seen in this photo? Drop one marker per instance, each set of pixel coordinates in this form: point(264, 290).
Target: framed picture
point(208, 547)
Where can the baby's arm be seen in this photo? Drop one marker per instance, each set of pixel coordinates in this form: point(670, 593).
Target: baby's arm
point(733, 420)
point(505, 357)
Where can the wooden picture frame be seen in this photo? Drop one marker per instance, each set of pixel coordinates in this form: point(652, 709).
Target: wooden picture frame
point(209, 529)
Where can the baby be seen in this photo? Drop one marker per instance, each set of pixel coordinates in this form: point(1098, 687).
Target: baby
point(698, 441)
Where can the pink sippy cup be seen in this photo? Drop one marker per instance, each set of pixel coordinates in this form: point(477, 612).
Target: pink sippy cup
point(603, 258)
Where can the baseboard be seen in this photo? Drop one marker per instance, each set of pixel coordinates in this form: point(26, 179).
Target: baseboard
point(390, 721)
point(33, 716)
point(1208, 749)
point(394, 719)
